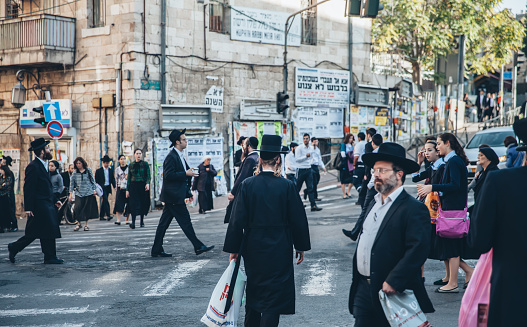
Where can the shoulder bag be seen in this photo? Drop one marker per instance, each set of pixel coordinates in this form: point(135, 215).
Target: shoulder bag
point(98, 188)
point(452, 223)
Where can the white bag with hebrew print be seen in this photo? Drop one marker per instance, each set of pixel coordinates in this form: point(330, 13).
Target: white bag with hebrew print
point(403, 310)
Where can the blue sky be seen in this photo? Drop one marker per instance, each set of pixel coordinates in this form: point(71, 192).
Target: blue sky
point(515, 5)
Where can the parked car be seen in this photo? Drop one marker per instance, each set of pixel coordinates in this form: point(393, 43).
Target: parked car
point(493, 137)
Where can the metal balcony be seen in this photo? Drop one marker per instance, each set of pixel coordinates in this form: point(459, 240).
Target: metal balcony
point(37, 40)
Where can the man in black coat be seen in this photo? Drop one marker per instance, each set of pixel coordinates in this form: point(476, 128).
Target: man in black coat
point(238, 154)
point(247, 169)
point(394, 241)
point(269, 219)
point(105, 177)
point(368, 148)
point(66, 178)
point(481, 103)
point(7, 160)
point(498, 223)
point(177, 177)
point(39, 199)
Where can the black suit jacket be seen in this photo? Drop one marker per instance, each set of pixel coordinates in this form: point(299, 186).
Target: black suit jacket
point(99, 177)
point(400, 249)
point(246, 170)
point(40, 199)
point(66, 179)
point(481, 104)
point(499, 222)
point(176, 183)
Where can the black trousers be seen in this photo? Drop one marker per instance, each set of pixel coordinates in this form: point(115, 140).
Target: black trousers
point(48, 246)
point(363, 190)
point(355, 232)
point(291, 177)
point(316, 179)
point(14, 223)
point(306, 175)
point(367, 310)
point(358, 176)
point(180, 212)
point(105, 205)
point(256, 319)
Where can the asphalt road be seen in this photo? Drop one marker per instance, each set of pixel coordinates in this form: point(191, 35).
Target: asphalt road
point(109, 278)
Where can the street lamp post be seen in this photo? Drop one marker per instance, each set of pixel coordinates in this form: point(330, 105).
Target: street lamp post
point(18, 95)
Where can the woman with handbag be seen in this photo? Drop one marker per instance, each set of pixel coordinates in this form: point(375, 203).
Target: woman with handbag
point(82, 185)
point(346, 165)
point(453, 193)
point(121, 202)
point(204, 184)
point(431, 175)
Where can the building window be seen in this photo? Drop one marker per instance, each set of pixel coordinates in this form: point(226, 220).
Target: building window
point(217, 17)
point(309, 23)
point(96, 13)
point(13, 8)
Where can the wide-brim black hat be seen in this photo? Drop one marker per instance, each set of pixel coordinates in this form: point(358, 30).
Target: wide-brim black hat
point(271, 143)
point(8, 160)
point(38, 144)
point(391, 152)
point(106, 158)
point(240, 140)
point(520, 129)
point(174, 136)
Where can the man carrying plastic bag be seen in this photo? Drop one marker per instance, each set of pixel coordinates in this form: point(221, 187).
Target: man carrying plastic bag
point(403, 310)
point(215, 315)
point(268, 219)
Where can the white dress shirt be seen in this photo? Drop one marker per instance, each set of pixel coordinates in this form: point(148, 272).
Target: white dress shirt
point(316, 158)
point(370, 229)
point(182, 157)
point(45, 163)
point(290, 163)
point(302, 161)
point(360, 150)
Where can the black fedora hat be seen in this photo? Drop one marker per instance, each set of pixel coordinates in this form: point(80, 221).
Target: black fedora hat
point(38, 144)
point(174, 136)
point(240, 140)
point(106, 158)
point(391, 152)
point(271, 146)
point(8, 160)
point(520, 129)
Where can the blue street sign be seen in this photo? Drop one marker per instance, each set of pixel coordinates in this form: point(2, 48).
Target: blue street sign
point(51, 111)
point(507, 75)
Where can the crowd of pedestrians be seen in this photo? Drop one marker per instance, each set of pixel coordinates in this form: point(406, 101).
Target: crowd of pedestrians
point(266, 219)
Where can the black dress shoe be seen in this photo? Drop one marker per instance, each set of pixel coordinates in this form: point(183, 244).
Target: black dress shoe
point(55, 261)
point(117, 223)
point(102, 218)
point(162, 255)
point(317, 199)
point(315, 208)
point(347, 233)
point(109, 218)
point(440, 282)
point(132, 226)
point(203, 249)
point(12, 253)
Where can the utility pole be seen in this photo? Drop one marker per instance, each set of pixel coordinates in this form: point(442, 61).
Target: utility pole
point(460, 76)
point(502, 79)
point(514, 79)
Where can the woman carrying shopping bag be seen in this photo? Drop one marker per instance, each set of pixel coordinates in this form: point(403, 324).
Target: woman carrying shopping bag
point(268, 217)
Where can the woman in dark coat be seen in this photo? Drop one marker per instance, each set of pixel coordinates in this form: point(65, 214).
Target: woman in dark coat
point(453, 196)
point(269, 214)
point(431, 175)
point(138, 188)
point(488, 159)
point(204, 183)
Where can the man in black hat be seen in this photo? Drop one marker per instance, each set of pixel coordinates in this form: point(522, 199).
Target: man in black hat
point(177, 177)
point(7, 161)
point(238, 154)
point(269, 230)
point(498, 223)
point(39, 199)
point(246, 170)
point(394, 241)
point(105, 177)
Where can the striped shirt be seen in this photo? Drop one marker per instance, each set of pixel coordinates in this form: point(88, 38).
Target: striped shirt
point(82, 183)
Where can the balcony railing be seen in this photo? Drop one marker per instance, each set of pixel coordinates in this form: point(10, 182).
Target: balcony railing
point(39, 39)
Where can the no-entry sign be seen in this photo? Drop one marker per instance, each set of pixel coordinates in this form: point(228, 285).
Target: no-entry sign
point(55, 130)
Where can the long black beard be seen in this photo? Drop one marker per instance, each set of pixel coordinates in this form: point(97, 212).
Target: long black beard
point(48, 156)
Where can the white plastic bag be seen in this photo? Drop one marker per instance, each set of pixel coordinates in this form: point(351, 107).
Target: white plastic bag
point(215, 311)
point(402, 310)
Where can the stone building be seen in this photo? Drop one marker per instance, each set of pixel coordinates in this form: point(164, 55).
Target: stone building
point(81, 50)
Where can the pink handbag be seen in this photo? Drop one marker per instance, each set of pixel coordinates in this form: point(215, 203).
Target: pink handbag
point(452, 223)
point(475, 302)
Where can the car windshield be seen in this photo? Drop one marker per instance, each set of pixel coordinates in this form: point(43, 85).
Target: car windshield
point(493, 139)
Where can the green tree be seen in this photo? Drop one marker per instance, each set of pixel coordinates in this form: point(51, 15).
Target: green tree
point(421, 30)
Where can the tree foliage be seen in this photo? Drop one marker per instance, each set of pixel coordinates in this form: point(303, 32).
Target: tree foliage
point(422, 30)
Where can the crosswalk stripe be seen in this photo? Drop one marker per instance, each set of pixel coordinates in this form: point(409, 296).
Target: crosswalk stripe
point(174, 278)
point(36, 312)
point(318, 283)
